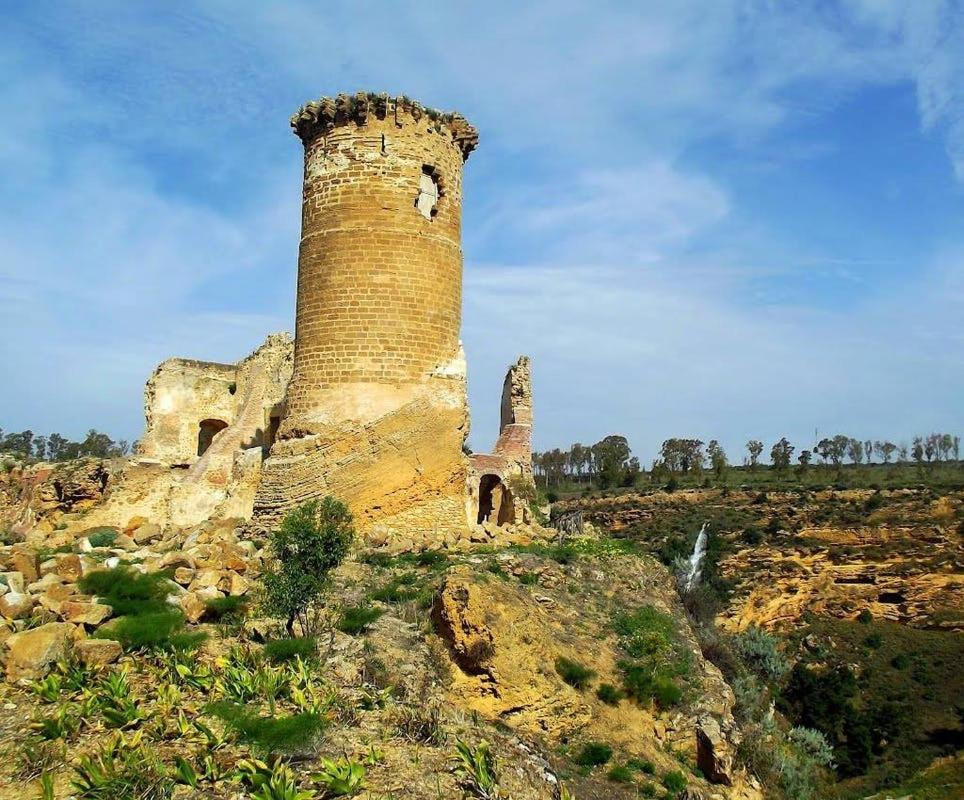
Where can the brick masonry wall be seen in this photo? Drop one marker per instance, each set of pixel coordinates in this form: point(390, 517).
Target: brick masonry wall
point(379, 285)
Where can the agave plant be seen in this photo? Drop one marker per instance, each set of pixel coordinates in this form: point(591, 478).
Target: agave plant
point(49, 688)
point(476, 769)
point(275, 782)
point(341, 777)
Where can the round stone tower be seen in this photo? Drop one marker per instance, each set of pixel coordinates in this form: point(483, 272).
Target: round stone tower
point(375, 412)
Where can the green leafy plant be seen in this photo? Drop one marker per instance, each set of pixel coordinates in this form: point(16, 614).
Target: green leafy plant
point(476, 770)
point(102, 537)
point(574, 673)
point(356, 619)
point(311, 541)
point(63, 723)
point(48, 688)
point(641, 765)
point(122, 770)
point(594, 754)
point(274, 782)
point(341, 777)
point(47, 786)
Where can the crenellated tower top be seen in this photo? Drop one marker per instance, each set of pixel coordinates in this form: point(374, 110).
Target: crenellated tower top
point(319, 117)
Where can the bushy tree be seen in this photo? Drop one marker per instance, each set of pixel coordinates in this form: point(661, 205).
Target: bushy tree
point(311, 541)
point(804, 461)
point(683, 455)
point(780, 455)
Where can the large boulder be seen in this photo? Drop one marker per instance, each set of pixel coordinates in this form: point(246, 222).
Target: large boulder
point(82, 612)
point(30, 654)
point(713, 752)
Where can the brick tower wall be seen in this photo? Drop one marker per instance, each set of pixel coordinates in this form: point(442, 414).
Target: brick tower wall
point(375, 413)
point(379, 284)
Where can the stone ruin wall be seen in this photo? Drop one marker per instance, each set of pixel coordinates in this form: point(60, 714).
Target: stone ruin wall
point(376, 411)
point(489, 497)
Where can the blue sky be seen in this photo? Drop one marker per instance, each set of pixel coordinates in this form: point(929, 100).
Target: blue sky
point(727, 219)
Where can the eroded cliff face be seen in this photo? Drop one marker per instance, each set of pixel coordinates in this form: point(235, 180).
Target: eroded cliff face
point(896, 553)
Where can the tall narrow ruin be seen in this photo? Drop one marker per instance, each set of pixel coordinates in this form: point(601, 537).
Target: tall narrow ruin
point(376, 409)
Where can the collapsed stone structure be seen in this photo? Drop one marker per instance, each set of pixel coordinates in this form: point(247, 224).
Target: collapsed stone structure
point(369, 404)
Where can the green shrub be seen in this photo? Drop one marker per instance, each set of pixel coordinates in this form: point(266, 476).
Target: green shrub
point(127, 591)
point(641, 765)
point(431, 558)
point(674, 781)
point(228, 608)
point(296, 733)
point(529, 578)
point(900, 661)
point(574, 673)
point(594, 754)
point(609, 694)
point(647, 789)
point(161, 630)
point(865, 617)
point(666, 693)
point(311, 541)
point(759, 652)
point(102, 537)
point(620, 774)
point(278, 651)
point(356, 619)
point(874, 640)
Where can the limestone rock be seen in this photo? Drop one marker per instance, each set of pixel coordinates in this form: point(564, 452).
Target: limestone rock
point(16, 605)
point(13, 580)
point(144, 534)
point(68, 566)
point(80, 612)
point(31, 653)
point(713, 753)
point(97, 652)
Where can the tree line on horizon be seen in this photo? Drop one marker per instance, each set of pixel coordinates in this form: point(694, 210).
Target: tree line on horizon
point(610, 462)
point(33, 447)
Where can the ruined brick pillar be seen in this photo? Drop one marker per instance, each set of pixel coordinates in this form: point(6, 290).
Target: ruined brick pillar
point(375, 412)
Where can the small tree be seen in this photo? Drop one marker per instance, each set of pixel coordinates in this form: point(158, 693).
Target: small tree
point(804, 460)
point(312, 540)
point(755, 448)
point(717, 458)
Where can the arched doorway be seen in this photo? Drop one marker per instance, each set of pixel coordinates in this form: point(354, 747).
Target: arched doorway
point(207, 428)
point(495, 501)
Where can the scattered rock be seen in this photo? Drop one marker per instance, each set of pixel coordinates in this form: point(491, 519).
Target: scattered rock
point(80, 612)
point(712, 752)
point(31, 653)
point(97, 652)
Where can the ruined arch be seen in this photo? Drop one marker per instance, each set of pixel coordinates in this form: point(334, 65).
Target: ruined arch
point(495, 501)
point(207, 429)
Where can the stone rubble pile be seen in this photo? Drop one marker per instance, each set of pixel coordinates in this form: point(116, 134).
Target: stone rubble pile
point(43, 611)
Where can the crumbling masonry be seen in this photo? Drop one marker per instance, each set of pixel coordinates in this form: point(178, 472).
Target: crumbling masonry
point(375, 412)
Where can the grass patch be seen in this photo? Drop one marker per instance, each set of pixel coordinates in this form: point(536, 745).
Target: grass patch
point(160, 630)
point(278, 651)
point(399, 589)
point(296, 733)
point(674, 781)
point(127, 591)
point(642, 765)
point(356, 619)
point(620, 774)
point(658, 659)
point(574, 673)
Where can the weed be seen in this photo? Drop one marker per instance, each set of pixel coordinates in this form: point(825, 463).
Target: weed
point(420, 724)
point(529, 578)
point(574, 673)
point(62, 724)
point(48, 688)
point(356, 619)
point(36, 756)
point(594, 754)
